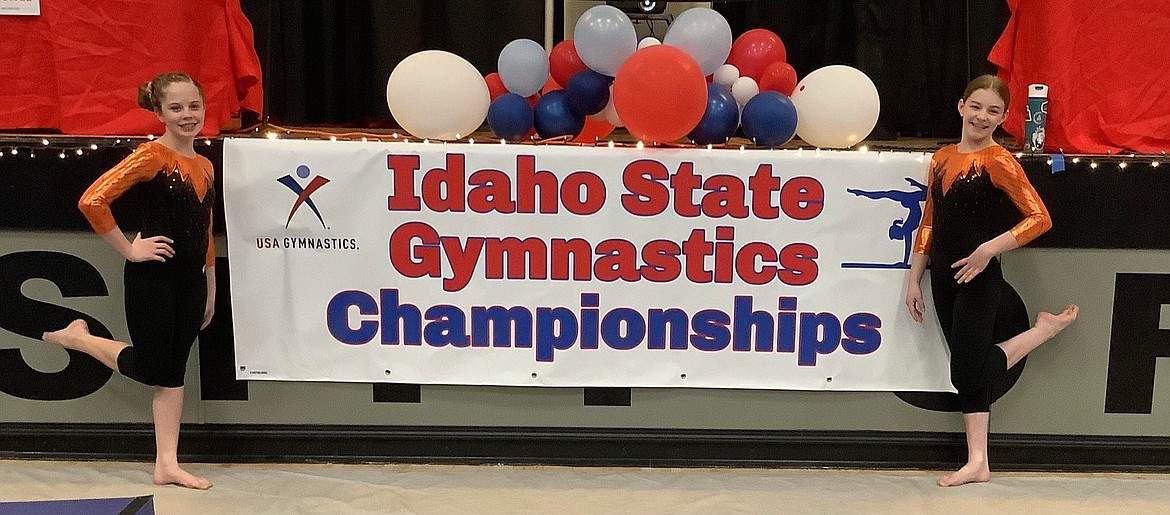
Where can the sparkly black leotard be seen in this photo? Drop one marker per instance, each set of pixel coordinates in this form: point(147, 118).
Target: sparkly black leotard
point(973, 198)
point(165, 301)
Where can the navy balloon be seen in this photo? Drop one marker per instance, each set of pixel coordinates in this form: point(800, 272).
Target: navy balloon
point(719, 120)
point(769, 119)
point(510, 116)
point(554, 117)
point(588, 92)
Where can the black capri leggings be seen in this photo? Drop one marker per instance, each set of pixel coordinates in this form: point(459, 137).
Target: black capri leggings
point(975, 317)
point(164, 308)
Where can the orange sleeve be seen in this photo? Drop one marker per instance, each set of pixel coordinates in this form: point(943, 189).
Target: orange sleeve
point(210, 260)
point(1008, 175)
point(210, 175)
point(141, 165)
point(922, 240)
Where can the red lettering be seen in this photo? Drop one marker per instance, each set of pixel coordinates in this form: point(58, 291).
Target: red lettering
point(415, 261)
point(589, 184)
point(646, 196)
point(443, 188)
point(492, 192)
point(661, 258)
point(745, 263)
point(799, 264)
point(802, 198)
point(403, 198)
point(527, 180)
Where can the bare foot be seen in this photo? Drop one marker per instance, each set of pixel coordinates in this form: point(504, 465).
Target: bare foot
point(972, 472)
point(68, 336)
point(1054, 324)
point(179, 477)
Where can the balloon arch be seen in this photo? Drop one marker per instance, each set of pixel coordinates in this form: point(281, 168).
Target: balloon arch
point(697, 83)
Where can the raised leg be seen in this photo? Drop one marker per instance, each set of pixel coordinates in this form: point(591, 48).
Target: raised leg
point(1047, 326)
point(76, 336)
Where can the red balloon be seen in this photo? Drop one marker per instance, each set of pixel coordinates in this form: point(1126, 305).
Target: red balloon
point(755, 50)
point(563, 62)
point(550, 85)
point(779, 77)
point(594, 130)
point(532, 100)
point(495, 85)
point(660, 94)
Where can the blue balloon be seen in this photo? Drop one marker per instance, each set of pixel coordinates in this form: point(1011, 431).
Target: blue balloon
point(554, 117)
point(719, 120)
point(588, 92)
point(510, 116)
point(769, 119)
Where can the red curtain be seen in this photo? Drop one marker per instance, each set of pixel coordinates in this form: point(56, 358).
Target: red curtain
point(1107, 65)
point(77, 66)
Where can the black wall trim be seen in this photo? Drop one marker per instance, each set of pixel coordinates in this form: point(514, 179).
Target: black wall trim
point(582, 446)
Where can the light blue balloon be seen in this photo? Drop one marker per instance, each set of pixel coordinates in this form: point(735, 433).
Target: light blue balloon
point(604, 37)
point(703, 34)
point(523, 67)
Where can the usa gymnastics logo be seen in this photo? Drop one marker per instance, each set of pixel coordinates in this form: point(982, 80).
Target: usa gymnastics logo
point(901, 228)
point(304, 195)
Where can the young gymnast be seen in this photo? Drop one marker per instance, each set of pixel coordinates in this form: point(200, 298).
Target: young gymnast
point(971, 185)
point(169, 279)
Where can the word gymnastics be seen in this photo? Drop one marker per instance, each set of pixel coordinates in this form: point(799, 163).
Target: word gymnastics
point(418, 250)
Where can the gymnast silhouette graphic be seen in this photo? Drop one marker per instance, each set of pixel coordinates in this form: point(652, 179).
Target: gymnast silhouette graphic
point(901, 228)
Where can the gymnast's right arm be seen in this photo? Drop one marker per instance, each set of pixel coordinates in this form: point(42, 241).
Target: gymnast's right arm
point(920, 257)
point(139, 166)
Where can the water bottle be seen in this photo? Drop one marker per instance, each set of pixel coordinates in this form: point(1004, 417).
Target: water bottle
point(1037, 117)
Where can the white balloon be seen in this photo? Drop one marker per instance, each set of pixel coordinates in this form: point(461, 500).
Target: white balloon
point(604, 38)
point(836, 107)
point(726, 75)
point(523, 67)
point(609, 114)
point(648, 41)
point(743, 89)
point(704, 34)
point(438, 95)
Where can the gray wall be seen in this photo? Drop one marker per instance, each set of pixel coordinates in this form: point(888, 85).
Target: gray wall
point(1062, 389)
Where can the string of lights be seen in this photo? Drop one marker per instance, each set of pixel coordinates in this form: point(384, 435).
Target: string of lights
point(66, 147)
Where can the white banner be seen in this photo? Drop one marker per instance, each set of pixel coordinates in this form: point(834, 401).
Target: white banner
point(564, 266)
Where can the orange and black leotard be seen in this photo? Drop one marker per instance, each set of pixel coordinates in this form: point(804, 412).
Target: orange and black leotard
point(177, 205)
point(165, 301)
point(973, 198)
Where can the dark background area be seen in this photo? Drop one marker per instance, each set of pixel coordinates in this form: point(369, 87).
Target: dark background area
point(326, 62)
